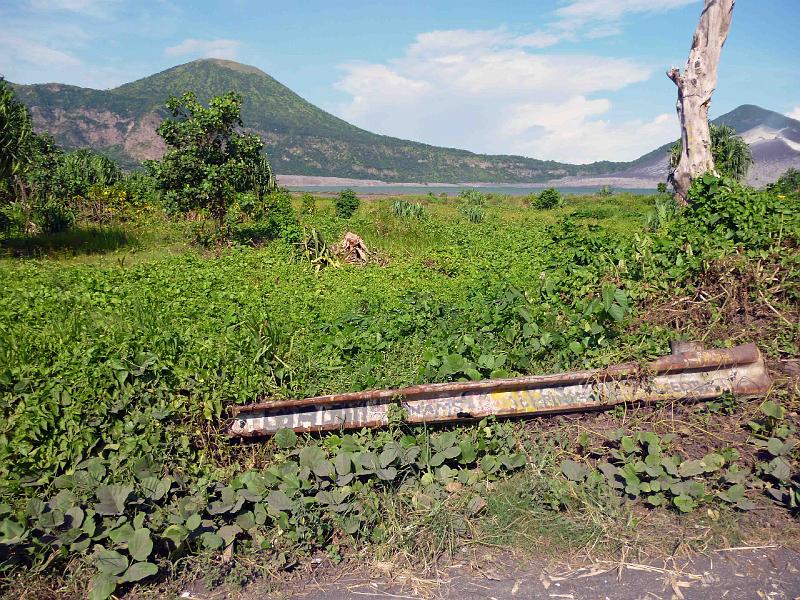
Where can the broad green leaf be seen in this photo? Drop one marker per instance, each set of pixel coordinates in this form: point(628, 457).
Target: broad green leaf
point(138, 571)
point(140, 545)
point(176, 533)
point(121, 534)
point(277, 500)
point(310, 456)
point(11, 531)
point(775, 446)
point(193, 522)
point(343, 463)
point(617, 312)
point(246, 520)
point(285, 439)
point(211, 540)
point(684, 503)
point(691, 468)
point(773, 409)
point(228, 533)
point(109, 562)
point(102, 586)
point(51, 519)
point(573, 471)
point(112, 499)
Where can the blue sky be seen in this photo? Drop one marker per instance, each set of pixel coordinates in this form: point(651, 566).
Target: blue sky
point(571, 80)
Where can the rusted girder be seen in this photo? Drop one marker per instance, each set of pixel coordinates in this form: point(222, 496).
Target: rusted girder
point(690, 373)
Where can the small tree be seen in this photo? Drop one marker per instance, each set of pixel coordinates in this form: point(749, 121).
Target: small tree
point(548, 198)
point(346, 204)
point(209, 158)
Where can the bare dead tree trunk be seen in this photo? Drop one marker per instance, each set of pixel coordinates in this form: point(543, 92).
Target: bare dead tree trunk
point(695, 86)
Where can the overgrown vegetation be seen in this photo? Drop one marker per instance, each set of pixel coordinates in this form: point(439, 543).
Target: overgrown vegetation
point(118, 366)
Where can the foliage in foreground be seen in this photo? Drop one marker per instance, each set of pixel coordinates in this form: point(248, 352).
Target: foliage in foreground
point(310, 497)
point(128, 399)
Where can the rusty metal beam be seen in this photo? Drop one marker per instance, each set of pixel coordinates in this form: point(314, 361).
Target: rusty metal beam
point(690, 373)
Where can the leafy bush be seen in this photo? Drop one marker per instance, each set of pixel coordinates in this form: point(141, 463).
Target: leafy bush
point(346, 203)
point(310, 498)
point(605, 190)
point(472, 197)
point(473, 213)
point(314, 249)
point(308, 204)
point(639, 466)
point(53, 217)
point(547, 199)
point(723, 209)
point(408, 210)
point(270, 218)
point(664, 213)
point(788, 183)
point(208, 158)
point(141, 189)
point(661, 188)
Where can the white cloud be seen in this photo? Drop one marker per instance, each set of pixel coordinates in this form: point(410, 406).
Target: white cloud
point(90, 8)
point(601, 17)
point(23, 49)
point(219, 48)
point(795, 114)
point(482, 90)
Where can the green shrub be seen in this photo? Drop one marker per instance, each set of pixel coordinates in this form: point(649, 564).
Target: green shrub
point(473, 197)
point(308, 204)
point(547, 199)
point(788, 183)
point(474, 214)
point(408, 210)
point(53, 217)
point(661, 188)
point(140, 189)
point(727, 211)
point(605, 190)
point(346, 204)
point(273, 217)
point(664, 213)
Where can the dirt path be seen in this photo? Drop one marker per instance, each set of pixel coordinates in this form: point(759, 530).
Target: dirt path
point(770, 573)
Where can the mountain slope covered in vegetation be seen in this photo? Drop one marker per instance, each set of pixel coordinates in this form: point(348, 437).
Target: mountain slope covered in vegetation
point(301, 139)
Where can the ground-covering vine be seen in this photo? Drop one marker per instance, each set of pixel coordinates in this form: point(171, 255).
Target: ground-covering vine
point(117, 369)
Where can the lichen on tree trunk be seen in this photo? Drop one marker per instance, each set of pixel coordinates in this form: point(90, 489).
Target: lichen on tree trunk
point(695, 86)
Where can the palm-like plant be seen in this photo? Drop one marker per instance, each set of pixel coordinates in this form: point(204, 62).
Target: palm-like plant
point(732, 156)
point(16, 133)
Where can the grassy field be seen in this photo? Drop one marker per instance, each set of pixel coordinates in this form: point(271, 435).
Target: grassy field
point(122, 347)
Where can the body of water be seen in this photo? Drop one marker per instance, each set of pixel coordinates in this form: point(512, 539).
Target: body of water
point(422, 190)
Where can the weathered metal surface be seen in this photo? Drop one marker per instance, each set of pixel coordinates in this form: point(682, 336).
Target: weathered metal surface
point(690, 372)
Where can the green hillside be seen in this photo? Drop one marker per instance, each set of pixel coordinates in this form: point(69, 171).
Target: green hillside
point(301, 139)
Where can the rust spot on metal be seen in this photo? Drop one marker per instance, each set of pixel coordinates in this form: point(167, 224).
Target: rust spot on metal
point(690, 372)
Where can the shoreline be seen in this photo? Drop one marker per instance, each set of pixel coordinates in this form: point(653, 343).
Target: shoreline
point(312, 181)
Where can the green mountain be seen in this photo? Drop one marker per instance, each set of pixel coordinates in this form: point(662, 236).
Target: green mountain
point(300, 138)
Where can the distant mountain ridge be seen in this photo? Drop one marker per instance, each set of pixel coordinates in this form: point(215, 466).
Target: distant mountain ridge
point(302, 139)
point(774, 140)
